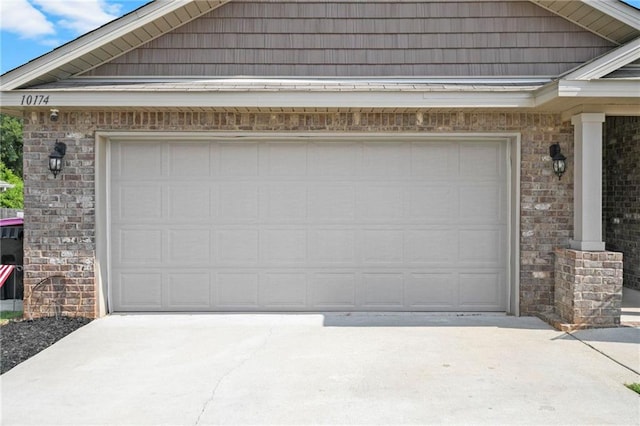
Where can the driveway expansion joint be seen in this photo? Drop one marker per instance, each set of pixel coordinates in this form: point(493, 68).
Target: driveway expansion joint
point(604, 354)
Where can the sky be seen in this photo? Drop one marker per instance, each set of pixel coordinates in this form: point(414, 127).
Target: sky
point(30, 28)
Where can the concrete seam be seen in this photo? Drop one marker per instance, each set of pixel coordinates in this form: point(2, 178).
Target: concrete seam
point(228, 373)
point(599, 351)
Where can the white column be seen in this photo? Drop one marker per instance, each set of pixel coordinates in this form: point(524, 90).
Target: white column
point(587, 192)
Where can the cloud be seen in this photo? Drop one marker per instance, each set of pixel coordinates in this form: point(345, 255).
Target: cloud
point(20, 17)
point(79, 16)
point(46, 21)
point(51, 42)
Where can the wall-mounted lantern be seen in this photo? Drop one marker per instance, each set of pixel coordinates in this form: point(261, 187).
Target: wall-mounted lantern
point(559, 160)
point(56, 156)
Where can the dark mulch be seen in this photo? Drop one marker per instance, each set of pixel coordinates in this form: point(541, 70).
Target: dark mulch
point(20, 340)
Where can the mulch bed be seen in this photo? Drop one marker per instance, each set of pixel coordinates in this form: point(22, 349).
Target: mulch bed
point(20, 340)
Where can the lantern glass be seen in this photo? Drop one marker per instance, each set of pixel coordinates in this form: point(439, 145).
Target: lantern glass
point(559, 166)
point(55, 165)
point(55, 158)
point(559, 160)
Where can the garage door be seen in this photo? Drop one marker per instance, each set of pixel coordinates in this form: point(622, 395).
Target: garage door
point(335, 225)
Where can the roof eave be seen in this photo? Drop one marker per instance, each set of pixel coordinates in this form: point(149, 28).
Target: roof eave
point(85, 44)
point(554, 94)
point(607, 63)
point(273, 99)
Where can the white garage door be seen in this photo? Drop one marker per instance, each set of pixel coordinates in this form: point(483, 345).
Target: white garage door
point(308, 225)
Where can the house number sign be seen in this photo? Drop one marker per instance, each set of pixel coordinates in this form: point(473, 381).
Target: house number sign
point(34, 100)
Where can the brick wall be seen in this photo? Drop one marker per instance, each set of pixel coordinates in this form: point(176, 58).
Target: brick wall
point(621, 193)
point(60, 213)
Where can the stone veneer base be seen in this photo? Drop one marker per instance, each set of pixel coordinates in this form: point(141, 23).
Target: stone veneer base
point(588, 289)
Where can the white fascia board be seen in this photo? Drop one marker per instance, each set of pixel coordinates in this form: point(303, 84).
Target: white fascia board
point(606, 108)
point(546, 93)
point(607, 63)
point(599, 89)
point(469, 80)
point(276, 99)
point(89, 42)
point(617, 10)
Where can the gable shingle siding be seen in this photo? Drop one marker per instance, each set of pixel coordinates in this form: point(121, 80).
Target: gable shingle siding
point(352, 38)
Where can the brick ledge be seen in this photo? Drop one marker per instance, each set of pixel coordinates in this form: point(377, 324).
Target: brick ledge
point(556, 322)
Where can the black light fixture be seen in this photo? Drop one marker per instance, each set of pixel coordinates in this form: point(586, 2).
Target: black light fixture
point(559, 160)
point(56, 156)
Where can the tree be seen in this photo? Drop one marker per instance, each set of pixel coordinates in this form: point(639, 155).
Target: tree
point(12, 198)
point(11, 144)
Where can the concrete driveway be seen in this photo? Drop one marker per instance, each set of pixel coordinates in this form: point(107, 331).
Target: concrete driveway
point(323, 369)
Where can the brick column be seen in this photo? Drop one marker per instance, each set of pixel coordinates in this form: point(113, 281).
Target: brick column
point(588, 288)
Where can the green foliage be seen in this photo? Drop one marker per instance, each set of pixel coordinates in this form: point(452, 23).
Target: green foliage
point(634, 387)
point(11, 143)
point(12, 198)
point(7, 315)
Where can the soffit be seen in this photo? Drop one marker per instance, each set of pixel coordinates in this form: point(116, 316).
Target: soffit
point(631, 71)
point(610, 19)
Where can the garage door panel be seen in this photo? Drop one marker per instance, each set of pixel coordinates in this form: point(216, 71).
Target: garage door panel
point(479, 290)
point(390, 160)
point(238, 202)
point(189, 246)
point(299, 226)
point(138, 246)
point(383, 290)
point(284, 246)
point(285, 159)
point(189, 290)
point(382, 246)
point(138, 160)
point(433, 204)
point(431, 290)
point(481, 246)
point(190, 202)
point(189, 160)
point(378, 203)
point(238, 159)
point(286, 290)
point(136, 202)
point(481, 203)
point(436, 161)
point(237, 246)
point(481, 160)
point(139, 290)
point(237, 290)
point(284, 202)
point(333, 290)
point(332, 202)
point(333, 246)
point(431, 246)
point(333, 159)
